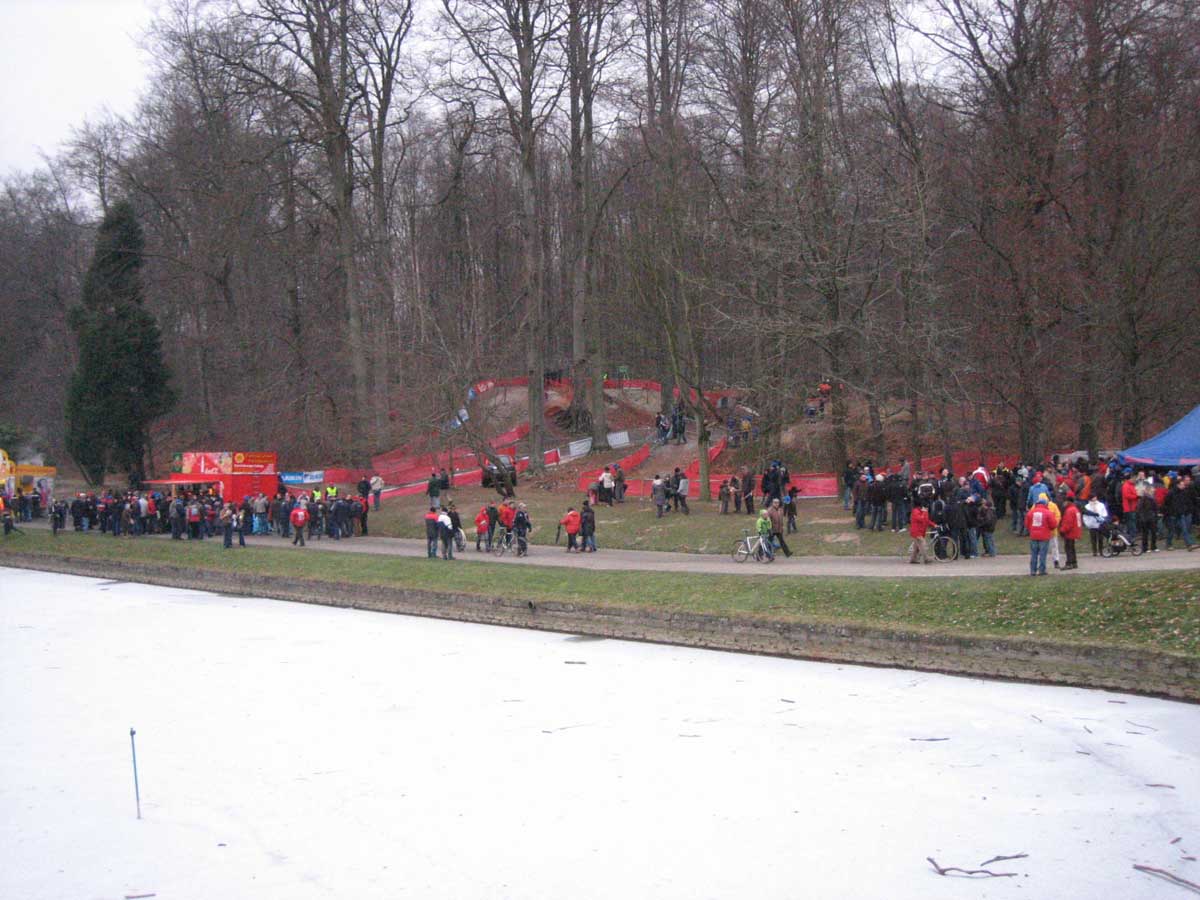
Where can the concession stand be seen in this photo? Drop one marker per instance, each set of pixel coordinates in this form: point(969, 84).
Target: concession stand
point(239, 473)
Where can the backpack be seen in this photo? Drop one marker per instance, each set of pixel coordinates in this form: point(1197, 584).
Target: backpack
point(937, 511)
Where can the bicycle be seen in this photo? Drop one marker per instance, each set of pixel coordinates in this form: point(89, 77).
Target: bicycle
point(753, 545)
point(502, 544)
point(943, 547)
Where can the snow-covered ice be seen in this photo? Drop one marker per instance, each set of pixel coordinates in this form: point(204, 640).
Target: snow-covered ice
point(291, 751)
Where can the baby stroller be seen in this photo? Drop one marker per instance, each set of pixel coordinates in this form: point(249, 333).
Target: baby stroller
point(1114, 541)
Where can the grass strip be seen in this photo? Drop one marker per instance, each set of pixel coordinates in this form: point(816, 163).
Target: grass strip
point(1159, 611)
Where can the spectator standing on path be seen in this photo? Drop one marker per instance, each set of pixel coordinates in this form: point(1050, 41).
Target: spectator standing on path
point(619, 482)
point(483, 529)
point(918, 527)
point(522, 525)
point(735, 491)
point(1179, 511)
point(1040, 522)
point(658, 493)
point(493, 514)
point(1147, 521)
point(1071, 529)
point(455, 525)
point(431, 533)
point(776, 517)
point(723, 496)
point(1129, 502)
point(748, 491)
point(849, 477)
point(364, 488)
point(587, 528)
point(571, 523)
point(299, 519)
point(1095, 515)
point(376, 489)
point(446, 534)
point(433, 488)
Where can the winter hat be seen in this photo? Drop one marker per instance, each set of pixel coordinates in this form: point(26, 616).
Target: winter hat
point(1042, 500)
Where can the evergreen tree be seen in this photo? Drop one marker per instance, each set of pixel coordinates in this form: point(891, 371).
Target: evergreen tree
point(122, 382)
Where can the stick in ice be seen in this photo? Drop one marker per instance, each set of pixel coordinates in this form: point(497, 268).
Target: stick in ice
point(137, 795)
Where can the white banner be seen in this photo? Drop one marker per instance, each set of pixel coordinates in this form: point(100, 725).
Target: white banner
point(618, 439)
point(580, 448)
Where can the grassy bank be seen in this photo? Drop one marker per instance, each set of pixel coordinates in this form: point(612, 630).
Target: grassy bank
point(1153, 611)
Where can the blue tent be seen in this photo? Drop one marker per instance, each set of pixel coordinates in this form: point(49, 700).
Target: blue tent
point(1176, 447)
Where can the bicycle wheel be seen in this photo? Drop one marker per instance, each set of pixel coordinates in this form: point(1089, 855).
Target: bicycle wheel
point(1136, 549)
point(741, 552)
point(1108, 548)
point(500, 547)
point(945, 548)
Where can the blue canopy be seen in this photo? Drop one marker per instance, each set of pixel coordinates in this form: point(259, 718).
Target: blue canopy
point(1178, 446)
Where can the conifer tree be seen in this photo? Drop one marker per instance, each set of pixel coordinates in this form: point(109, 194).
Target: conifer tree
point(122, 383)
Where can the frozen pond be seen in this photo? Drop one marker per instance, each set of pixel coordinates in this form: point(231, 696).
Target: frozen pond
point(288, 751)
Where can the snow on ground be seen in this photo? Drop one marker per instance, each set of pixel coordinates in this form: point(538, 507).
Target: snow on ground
point(291, 751)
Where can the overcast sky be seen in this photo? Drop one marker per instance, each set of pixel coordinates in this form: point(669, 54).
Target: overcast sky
point(62, 61)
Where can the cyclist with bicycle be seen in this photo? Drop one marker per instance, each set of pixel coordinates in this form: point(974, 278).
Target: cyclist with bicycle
point(763, 527)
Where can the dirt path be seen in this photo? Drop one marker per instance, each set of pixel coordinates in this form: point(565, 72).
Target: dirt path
point(642, 560)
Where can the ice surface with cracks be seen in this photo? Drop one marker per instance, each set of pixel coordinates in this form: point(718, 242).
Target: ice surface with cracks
point(292, 751)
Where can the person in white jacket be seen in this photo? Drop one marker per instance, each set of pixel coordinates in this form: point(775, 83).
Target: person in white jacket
point(1095, 515)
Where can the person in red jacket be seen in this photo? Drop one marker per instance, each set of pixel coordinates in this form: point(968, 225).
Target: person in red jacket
point(481, 529)
point(1070, 529)
point(299, 520)
point(1129, 501)
point(1040, 522)
point(571, 522)
point(918, 527)
point(508, 513)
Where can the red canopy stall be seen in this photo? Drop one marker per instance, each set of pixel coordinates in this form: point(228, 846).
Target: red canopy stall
point(239, 473)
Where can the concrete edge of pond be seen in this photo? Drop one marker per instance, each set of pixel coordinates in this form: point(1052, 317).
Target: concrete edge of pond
point(1140, 671)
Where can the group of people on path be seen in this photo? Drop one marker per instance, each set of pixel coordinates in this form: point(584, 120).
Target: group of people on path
point(1044, 503)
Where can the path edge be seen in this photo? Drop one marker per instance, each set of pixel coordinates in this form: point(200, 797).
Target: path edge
point(1133, 670)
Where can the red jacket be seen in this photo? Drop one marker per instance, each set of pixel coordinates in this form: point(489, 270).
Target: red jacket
point(1040, 522)
point(299, 517)
point(1129, 497)
point(481, 520)
point(919, 523)
point(1071, 527)
point(571, 521)
point(507, 514)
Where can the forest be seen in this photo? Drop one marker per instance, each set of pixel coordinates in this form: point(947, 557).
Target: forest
point(963, 214)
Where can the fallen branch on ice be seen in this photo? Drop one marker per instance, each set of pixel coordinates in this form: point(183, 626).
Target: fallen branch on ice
point(968, 872)
point(988, 862)
point(1174, 879)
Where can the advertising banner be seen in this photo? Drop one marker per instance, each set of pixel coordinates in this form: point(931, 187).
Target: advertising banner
point(254, 463)
point(207, 463)
point(317, 477)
